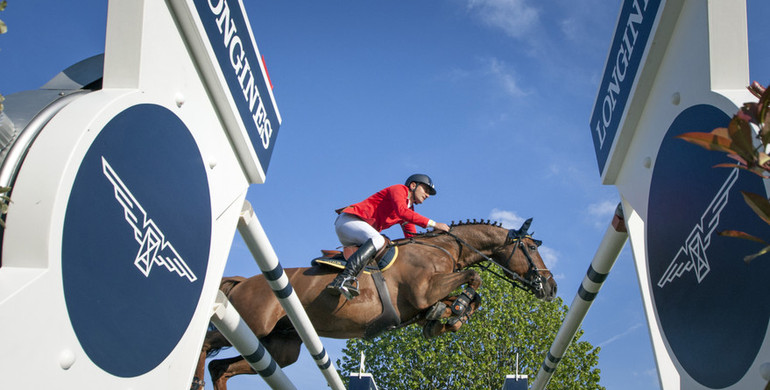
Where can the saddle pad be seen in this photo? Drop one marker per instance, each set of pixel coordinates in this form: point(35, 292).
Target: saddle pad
point(338, 261)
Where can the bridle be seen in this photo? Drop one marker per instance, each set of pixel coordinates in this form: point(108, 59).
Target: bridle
point(533, 280)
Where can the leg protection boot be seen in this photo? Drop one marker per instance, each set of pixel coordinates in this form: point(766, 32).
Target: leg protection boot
point(346, 283)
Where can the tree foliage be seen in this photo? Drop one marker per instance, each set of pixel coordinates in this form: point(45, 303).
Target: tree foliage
point(482, 352)
point(745, 141)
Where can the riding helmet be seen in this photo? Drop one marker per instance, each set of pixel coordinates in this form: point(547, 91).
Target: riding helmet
point(424, 179)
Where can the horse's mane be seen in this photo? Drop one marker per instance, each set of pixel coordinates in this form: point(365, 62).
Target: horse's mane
point(474, 222)
point(468, 222)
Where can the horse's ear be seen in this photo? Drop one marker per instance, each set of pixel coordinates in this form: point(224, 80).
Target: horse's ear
point(525, 227)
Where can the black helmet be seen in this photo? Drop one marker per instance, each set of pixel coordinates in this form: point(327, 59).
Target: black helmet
point(424, 179)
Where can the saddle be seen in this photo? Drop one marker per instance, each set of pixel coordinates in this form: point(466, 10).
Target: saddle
point(385, 257)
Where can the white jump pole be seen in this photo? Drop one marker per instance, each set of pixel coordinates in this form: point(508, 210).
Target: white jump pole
point(230, 323)
point(256, 239)
point(609, 249)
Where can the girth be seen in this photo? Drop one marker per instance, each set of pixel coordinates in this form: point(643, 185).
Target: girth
point(385, 257)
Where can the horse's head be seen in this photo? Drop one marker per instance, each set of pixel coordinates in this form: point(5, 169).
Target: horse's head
point(519, 254)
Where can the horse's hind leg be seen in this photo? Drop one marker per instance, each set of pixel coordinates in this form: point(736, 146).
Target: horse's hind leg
point(214, 340)
point(223, 369)
point(283, 347)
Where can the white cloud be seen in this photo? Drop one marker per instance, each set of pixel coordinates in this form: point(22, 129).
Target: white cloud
point(505, 77)
point(569, 27)
point(550, 257)
point(601, 213)
point(515, 17)
point(509, 219)
point(603, 209)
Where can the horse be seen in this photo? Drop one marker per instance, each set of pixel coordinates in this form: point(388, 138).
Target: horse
point(428, 269)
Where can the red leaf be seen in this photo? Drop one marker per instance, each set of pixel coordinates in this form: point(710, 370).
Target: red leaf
point(743, 138)
point(764, 250)
point(759, 204)
point(739, 234)
point(708, 141)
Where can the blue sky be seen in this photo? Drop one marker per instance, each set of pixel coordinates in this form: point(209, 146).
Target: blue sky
point(491, 98)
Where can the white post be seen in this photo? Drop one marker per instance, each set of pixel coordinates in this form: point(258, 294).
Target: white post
point(229, 322)
point(614, 239)
point(256, 239)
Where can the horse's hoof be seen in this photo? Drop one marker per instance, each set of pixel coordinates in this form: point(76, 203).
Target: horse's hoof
point(435, 311)
point(197, 384)
point(432, 329)
point(455, 326)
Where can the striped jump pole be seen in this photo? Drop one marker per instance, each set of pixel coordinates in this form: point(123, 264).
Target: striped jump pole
point(256, 239)
point(229, 322)
point(609, 249)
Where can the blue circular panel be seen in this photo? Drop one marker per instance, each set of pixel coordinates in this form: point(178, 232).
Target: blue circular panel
point(713, 308)
point(136, 240)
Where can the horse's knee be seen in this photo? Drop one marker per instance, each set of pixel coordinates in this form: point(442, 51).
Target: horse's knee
point(474, 279)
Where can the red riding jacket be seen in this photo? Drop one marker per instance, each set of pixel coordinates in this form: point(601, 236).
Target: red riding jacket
point(388, 207)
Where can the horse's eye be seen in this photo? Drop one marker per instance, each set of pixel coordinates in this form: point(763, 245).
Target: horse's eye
point(533, 248)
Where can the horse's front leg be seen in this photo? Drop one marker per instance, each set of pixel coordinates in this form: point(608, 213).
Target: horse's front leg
point(441, 285)
point(435, 327)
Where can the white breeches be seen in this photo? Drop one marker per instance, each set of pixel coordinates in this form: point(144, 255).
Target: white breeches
point(351, 230)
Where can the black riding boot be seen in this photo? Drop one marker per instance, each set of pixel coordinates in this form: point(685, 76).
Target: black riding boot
point(346, 283)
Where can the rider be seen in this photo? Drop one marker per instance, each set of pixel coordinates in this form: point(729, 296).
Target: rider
point(360, 225)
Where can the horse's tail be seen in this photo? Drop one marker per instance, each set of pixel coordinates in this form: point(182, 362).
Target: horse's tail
point(226, 285)
point(229, 282)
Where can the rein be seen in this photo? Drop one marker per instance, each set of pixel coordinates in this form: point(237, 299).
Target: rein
point(513, 278)
point(412, 240)
point(535, 283)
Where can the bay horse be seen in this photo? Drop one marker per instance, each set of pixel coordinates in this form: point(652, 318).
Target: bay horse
point(428, 269)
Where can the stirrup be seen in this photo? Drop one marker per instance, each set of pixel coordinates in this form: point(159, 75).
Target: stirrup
point(349, 290)
point(344, 287)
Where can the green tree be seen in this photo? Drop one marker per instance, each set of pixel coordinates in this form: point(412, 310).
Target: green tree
point(480, 355)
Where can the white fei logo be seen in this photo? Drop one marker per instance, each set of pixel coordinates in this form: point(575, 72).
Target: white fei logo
point(153, 247)
point(692, 255)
